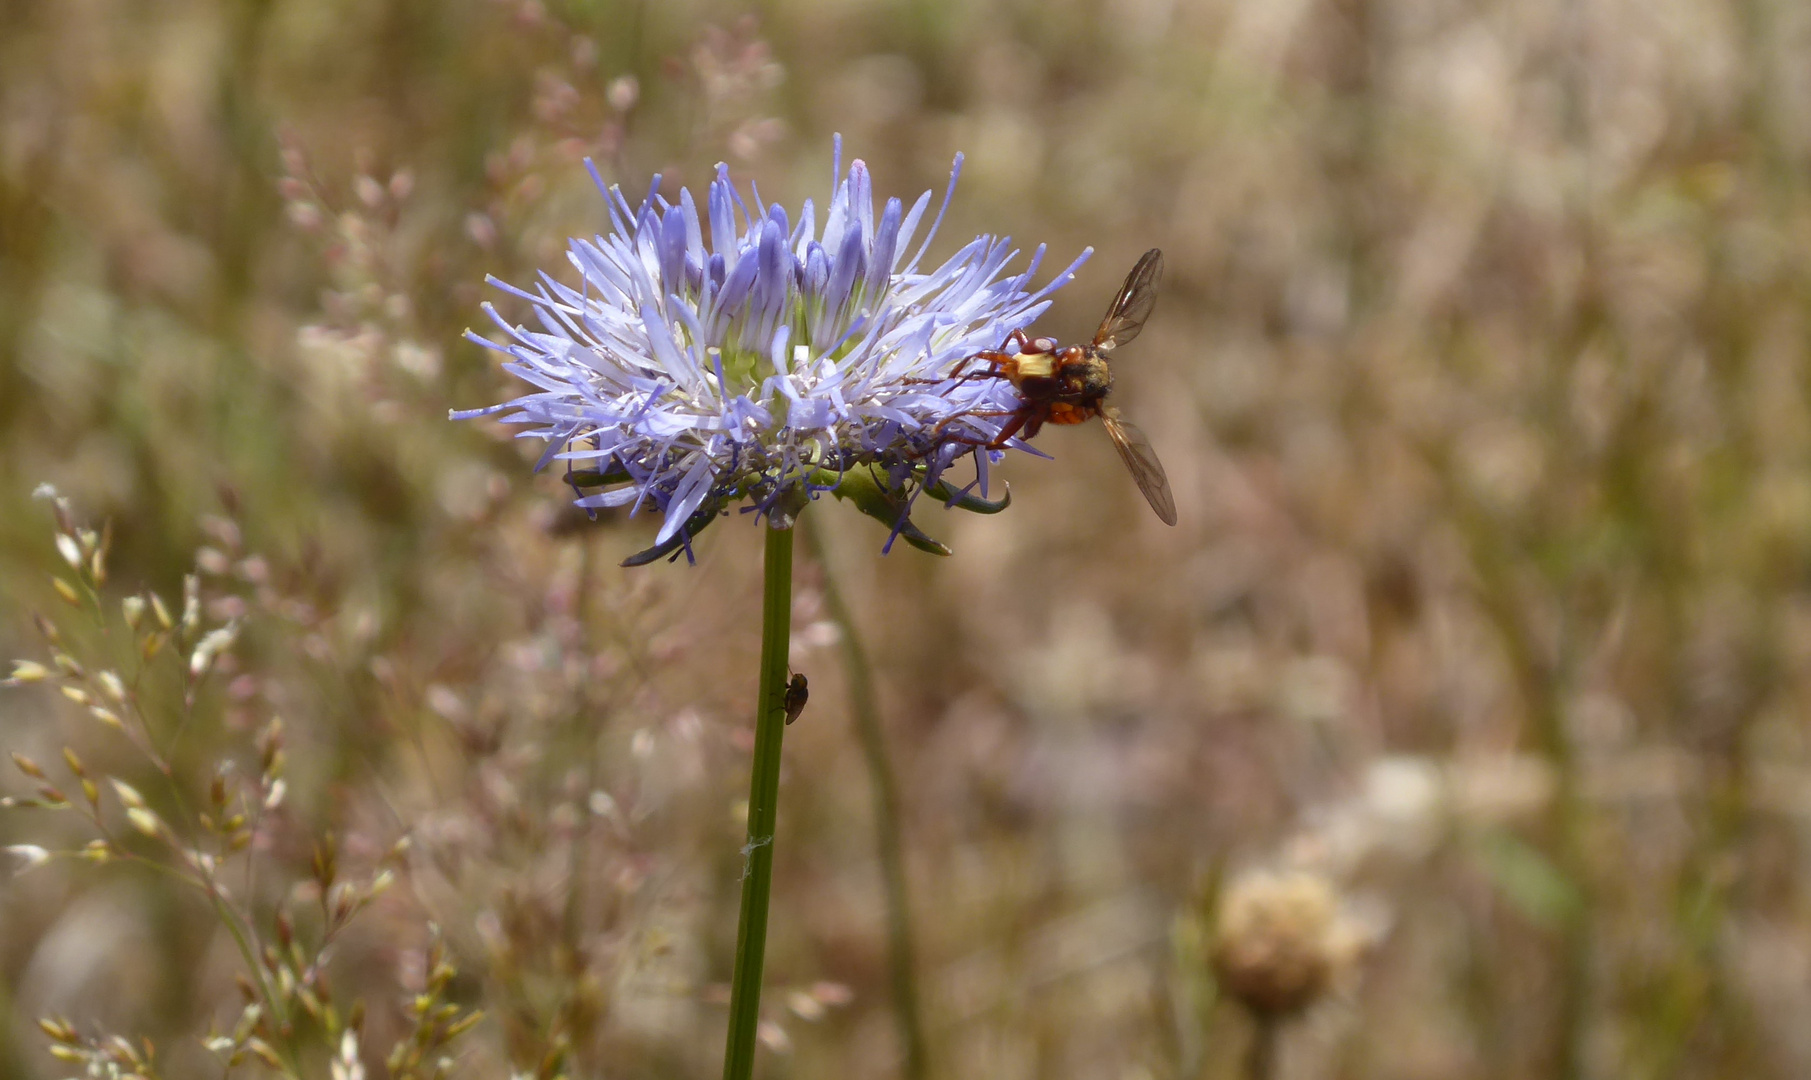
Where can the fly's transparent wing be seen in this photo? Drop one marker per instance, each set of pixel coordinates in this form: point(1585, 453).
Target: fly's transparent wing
point(1125, 318)
point(1141, 461)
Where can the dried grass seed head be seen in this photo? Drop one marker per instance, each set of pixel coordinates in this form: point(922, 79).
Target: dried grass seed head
point(1281, 940)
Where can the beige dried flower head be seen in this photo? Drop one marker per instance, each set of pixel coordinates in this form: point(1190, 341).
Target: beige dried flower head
point(1281, 941)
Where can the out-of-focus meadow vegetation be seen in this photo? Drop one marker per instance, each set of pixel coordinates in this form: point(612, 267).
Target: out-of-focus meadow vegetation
point(1458, 730)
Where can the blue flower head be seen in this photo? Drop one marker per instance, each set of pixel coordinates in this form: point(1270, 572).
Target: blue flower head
point(729, 354)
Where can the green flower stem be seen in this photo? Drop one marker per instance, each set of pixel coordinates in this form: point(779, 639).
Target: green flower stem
point(901, 952)
point(763, 797)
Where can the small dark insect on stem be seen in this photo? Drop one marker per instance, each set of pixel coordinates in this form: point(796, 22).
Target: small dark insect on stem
point(798, 691)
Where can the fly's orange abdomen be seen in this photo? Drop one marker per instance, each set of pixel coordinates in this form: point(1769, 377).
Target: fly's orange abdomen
point(1062, 412)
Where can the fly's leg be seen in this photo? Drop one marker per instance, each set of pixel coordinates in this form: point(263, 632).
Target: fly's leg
point(1018, 338)
point(982, 413)
point(999, 358)
point(1020, 419)
point(957, 376)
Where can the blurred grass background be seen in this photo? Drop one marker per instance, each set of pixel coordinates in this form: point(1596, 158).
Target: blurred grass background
point(1479, 372)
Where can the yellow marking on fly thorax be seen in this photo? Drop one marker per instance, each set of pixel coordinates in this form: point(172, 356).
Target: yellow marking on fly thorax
point(1034, 365)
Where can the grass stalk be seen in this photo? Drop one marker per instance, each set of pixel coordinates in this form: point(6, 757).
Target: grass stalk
point(901, 950)
point(1261, 1052)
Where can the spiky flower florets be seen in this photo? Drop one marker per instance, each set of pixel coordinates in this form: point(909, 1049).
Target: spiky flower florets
point(735, 355)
